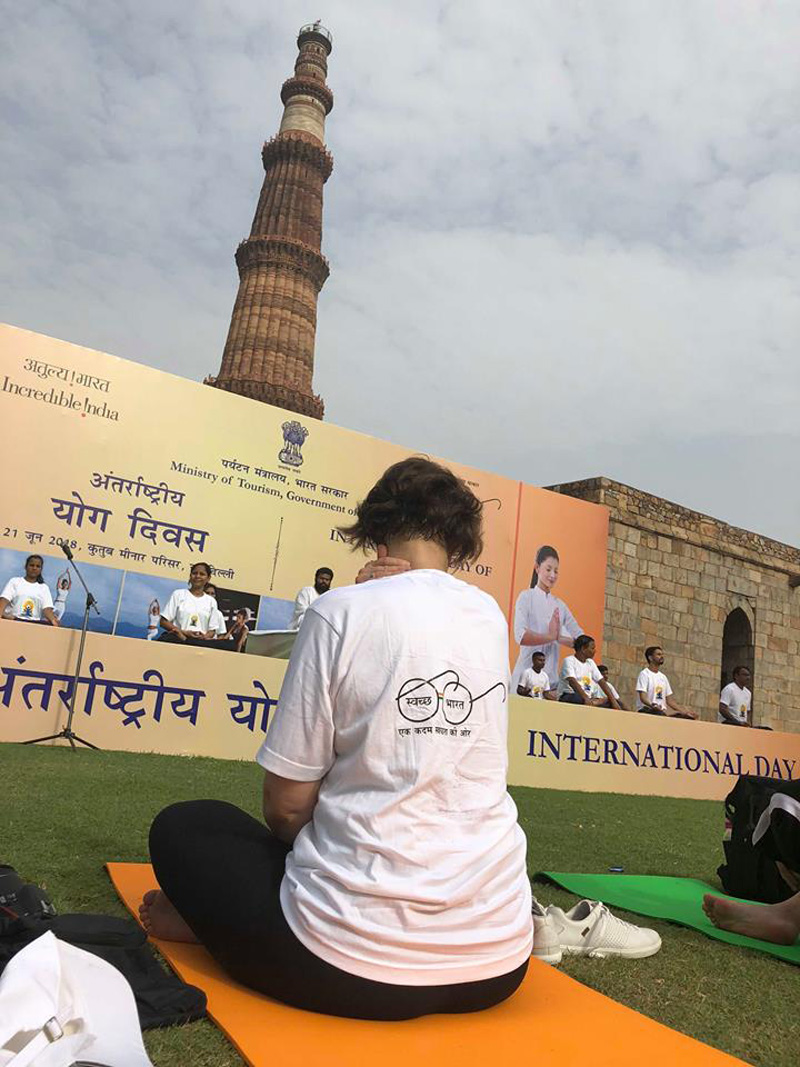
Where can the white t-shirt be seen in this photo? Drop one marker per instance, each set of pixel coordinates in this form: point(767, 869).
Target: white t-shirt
point(28, 600)
point(533, 612)
point(190, 612)
point(537, 684)
point(302, 602)
point(412, 869)
point(586, 674)
point(737, 701)
point(655, 685)
point(598, 694)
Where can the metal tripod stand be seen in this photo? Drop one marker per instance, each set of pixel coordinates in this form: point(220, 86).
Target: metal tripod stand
point(68, 734)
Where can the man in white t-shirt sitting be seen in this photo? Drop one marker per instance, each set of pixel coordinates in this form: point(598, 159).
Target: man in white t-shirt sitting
point(735, 699)
point(534, 681)
point(309, 593)
point(653, 691)
point(579, 675)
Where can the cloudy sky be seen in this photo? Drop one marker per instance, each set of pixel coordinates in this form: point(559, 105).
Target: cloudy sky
point(563, 235)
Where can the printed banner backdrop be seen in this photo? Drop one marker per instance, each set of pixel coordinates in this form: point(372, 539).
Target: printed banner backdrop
point(171, 701)
point(596, 750)
point(143, 473)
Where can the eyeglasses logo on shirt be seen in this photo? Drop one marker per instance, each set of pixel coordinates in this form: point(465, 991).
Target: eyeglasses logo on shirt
point(419, 699)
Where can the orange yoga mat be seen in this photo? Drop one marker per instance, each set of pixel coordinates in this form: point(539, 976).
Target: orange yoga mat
point(552, 1019)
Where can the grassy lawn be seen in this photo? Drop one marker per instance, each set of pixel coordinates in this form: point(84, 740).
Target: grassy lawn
point(66, 813)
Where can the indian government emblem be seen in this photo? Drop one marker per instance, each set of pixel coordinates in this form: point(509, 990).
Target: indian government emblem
point(294, 436)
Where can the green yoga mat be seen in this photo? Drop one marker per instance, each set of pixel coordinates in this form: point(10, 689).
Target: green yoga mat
point(679, 900)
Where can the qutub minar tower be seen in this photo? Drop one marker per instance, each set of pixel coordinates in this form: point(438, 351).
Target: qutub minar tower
point(269, 353)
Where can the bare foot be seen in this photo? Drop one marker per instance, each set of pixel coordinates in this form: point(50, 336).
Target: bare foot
point(763, 921)
point(160, 919)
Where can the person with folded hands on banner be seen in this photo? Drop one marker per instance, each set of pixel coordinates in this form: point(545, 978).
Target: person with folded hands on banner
point(653, 691)
point(735, 698)
point(191, 616)
point(542, 622)
point(28, 598)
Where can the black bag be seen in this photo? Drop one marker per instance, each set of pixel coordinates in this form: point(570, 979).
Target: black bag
point(19, 899)
point(162, 999)
point(750, 871)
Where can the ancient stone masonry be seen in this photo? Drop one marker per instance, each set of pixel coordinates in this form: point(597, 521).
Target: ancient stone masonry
point(269, 353)
point(711, 594)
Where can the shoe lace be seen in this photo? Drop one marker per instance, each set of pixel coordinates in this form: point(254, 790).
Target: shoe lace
point(614, 930)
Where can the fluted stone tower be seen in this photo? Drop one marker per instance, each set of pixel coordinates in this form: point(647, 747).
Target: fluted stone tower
point(269, 353)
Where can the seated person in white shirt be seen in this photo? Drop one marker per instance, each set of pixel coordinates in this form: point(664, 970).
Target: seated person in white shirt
point(735, 699)
point(534, 681)
point(28, 598)
point(191, 615)
point(600, 697)
point(653, 691)
point(389, 881)
point(323, 580)
point(579, 676)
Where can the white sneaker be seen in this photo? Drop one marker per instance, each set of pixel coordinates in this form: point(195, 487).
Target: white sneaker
point(589, 929)
point(546, 946)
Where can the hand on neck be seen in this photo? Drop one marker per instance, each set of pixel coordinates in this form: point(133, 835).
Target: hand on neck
point(421, 555)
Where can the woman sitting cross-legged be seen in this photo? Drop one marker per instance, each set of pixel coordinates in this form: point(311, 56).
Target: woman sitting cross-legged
point(389, 881)
point(191, 615)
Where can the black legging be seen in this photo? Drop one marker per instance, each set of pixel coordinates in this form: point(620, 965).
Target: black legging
point(222, 871)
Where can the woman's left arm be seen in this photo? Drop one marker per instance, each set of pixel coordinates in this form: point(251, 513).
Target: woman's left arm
point(288, 805)
point(50, 615)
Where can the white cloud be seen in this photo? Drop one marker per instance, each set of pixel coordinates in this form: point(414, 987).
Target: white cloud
point(560, 233)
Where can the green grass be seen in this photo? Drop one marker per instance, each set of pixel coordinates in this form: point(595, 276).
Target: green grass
point(67, 813)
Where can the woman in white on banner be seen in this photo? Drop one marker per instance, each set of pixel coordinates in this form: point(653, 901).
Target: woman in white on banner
point(191, 615)
point(542, 622)
point(153, 619)
point(389, 881)
point(29, 598)
point(63, 586)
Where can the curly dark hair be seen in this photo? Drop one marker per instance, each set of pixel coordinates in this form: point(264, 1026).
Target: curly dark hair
point(419, 498)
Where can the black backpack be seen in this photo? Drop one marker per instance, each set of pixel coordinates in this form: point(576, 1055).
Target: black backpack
point(750, 872)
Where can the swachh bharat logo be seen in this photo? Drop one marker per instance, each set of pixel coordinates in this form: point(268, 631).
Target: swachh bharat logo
point(294, 436)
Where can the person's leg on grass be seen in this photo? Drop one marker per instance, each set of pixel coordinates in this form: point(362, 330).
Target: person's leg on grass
point(778, 923)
